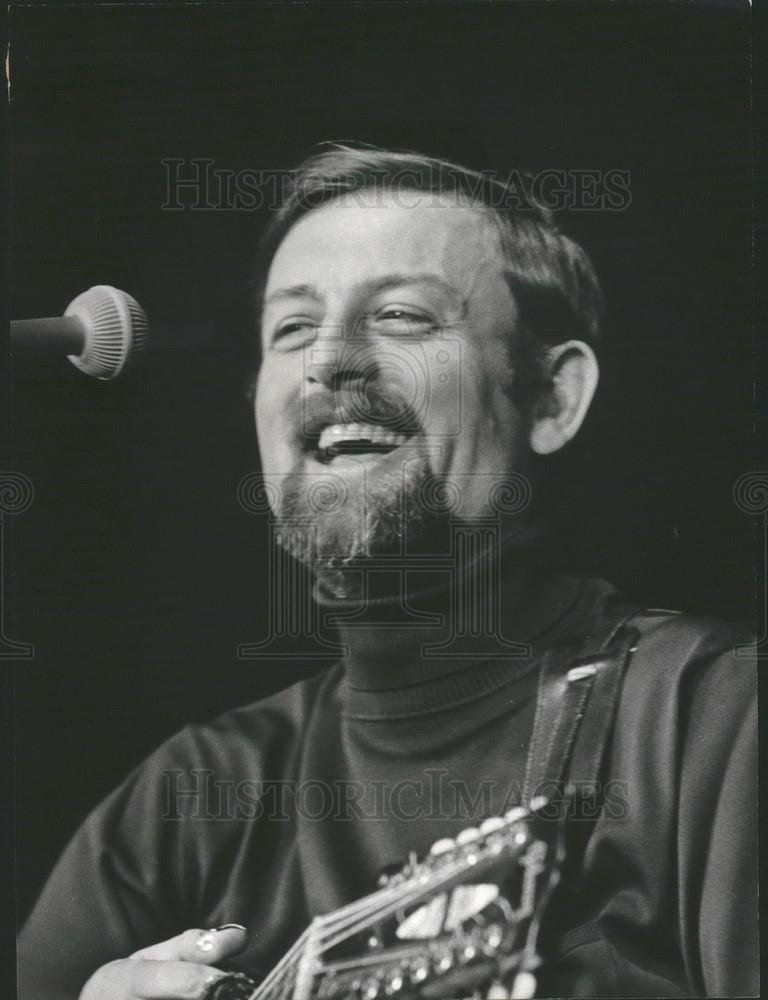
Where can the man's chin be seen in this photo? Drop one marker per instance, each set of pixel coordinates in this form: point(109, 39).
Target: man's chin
point(339, 515)
point(341, 540)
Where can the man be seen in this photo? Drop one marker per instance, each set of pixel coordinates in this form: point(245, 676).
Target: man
point(428, 339)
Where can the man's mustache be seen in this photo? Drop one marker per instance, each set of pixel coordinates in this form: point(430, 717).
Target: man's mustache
point(363, 406)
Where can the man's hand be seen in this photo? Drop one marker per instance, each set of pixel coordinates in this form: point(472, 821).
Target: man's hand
point(176, 969)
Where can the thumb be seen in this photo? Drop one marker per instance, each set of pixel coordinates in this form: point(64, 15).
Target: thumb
point(207, 947)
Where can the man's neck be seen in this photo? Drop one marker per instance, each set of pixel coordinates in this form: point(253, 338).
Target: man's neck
point(408, 620)
point(455, 551)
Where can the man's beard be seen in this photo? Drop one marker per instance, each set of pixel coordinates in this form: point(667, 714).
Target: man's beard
point(332, 525)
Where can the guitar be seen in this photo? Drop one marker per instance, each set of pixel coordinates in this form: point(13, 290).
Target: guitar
point(462, 920)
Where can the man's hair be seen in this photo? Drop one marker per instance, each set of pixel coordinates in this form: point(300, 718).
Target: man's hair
point(552, 280)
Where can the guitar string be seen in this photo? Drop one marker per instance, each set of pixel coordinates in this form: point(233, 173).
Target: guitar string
point(293, 955)
point(282, 967)
point(348, 920)
point(370, 903)
point(374, 958)
point(371, 900)
point(378, 906)
point(373, 905)
point(438, 881)
point(292, 958)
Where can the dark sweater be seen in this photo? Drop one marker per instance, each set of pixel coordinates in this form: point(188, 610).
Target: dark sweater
point(300, 799)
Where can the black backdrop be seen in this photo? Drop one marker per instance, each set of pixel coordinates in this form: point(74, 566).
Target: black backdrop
point(135, 571)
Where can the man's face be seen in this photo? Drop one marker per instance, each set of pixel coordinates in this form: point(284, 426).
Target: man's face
point(385, 375)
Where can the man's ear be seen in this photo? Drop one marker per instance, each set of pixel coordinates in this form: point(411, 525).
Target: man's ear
point(558, 413)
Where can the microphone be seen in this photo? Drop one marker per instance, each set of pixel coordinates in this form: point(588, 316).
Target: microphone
point(102, 332)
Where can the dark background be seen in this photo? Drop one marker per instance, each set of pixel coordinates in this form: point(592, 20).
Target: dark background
point(136, 572)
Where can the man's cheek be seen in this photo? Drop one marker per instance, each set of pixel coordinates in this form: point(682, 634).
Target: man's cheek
point(267, 409)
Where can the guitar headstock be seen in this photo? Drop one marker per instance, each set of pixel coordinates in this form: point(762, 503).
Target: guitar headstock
point(457, 919)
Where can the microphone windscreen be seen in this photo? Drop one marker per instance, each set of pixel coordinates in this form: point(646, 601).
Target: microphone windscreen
point(116, 330)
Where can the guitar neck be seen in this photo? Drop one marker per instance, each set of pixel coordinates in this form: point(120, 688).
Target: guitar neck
point(471, 907)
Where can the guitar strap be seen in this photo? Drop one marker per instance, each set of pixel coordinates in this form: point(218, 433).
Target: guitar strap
point(579, 688)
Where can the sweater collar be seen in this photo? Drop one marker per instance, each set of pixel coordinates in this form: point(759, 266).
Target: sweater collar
point(448, 629)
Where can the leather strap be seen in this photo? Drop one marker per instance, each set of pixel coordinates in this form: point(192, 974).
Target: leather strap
point(579, 688)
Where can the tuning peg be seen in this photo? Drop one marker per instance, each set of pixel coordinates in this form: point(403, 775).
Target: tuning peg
point(393, 984)
point(387, 873)
point(444, 962)
point(442, 846)
point(419, 971)
point(524, 986)
point(497, 992)
point(468, 952)
point(491, 825)
point(515, 814)
point(468, 836)
point(494, 936)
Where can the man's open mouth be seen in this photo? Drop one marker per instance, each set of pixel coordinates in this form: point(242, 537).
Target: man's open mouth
point(354, 439)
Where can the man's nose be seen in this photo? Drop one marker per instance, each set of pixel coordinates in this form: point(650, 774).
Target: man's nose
point(337, 360)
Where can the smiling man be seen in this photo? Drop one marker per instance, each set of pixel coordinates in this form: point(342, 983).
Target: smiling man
point(395, 359)
point(424, 349)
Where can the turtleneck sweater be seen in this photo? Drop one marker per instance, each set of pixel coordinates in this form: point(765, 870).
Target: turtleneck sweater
point(432, 722)
point(290, 807)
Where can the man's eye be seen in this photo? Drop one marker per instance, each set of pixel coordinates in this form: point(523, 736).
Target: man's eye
point(403, 320)
point(292, 334)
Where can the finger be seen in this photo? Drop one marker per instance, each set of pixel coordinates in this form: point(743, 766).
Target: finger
point(149, 979)
point(204, 946)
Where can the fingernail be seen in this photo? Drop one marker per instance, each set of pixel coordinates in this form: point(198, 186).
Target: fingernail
point(226, 927)
point(205, 941)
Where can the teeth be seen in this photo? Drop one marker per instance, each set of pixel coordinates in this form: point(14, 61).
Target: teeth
point(336, 433)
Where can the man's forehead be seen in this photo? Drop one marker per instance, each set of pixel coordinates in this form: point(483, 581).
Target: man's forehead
point(353, 238)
